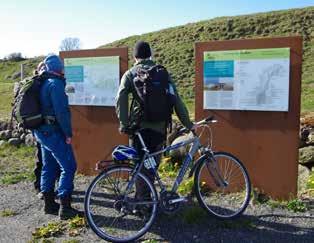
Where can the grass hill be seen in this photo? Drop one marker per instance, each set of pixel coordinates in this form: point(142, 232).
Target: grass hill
point(174, 47)
point(10, 73)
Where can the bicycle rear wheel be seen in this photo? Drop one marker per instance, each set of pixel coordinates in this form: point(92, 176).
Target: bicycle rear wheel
point(115, 216)
point(222, 185)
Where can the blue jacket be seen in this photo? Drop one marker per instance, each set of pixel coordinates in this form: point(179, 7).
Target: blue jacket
point(54, 101)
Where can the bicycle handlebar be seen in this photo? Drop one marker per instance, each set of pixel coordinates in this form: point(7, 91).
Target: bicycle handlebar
point(206, 121)
point(131, 130)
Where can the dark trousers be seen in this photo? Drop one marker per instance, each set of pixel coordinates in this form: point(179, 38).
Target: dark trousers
point(154, 142)
point(38, 167)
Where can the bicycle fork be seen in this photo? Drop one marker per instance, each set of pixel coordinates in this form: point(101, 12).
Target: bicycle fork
point(214, 171)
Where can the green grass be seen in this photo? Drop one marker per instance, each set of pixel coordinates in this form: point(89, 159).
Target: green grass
point(186, 187)
point(41, 241)
point(6, 96)
point(167, 169)
point(307, 98)
point(16, 164)
point(8, 69)
point(276, 204)
point(76, 225)
point(310, 182)
point(294, 204)
point(196, 215)
point(193, 215)
point(150, 241)
point(72, 228)
point(236, 224)
point(52, 229)
point(13, 178)
point(7, 213)
point(77, 222)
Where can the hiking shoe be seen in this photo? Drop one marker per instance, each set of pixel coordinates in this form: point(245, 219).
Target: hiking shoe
point(66, 211)
point(51, 207)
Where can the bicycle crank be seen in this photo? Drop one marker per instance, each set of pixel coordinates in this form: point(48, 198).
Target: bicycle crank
point(170, 202)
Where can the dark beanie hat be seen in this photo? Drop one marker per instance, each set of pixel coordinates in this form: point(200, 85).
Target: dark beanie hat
point(142, 50)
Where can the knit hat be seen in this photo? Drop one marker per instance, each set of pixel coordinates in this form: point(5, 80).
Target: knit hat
point(142, 50)
point(54, 64)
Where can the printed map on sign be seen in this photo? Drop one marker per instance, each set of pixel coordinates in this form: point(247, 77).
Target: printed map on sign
point(255, 79)
point(92, 80)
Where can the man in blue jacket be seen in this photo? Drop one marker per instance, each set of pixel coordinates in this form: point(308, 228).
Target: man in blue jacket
point(55, 137)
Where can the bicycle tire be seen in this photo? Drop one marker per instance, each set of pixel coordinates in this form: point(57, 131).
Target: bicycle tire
point(94, 198)
point(224, 201)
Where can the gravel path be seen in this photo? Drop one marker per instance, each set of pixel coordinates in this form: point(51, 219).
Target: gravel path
point(260, 223)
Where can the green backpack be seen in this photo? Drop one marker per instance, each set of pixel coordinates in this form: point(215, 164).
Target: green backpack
point(26, 106)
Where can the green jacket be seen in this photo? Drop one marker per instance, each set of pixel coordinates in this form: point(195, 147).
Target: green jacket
point(122, 103)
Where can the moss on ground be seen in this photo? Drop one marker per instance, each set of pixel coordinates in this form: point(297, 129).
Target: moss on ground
point(72, 228)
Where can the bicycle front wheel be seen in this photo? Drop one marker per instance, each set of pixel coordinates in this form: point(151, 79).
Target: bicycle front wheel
point(115, 215)
point(222, 185)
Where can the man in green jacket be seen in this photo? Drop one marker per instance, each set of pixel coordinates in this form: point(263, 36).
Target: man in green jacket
point(154, 133)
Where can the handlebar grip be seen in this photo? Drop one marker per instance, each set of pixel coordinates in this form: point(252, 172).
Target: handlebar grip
point(182, 130)
point(210, 118)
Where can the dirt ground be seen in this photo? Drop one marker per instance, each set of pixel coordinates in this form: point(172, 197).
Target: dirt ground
point(260, 222)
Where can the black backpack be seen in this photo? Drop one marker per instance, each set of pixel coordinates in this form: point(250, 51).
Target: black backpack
point(154, 93)
point(26, 106)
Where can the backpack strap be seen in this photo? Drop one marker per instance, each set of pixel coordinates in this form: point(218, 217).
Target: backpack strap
point(133, 75)
point(135, 97)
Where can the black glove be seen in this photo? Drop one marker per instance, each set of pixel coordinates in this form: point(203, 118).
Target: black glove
point(125, 130)
point(129, 130)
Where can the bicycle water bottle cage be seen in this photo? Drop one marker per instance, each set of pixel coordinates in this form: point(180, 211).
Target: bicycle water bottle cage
point(122, 152)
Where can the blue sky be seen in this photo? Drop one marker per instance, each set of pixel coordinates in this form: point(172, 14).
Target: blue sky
point(37, 27)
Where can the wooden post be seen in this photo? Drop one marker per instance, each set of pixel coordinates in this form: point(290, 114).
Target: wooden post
point(22, 71)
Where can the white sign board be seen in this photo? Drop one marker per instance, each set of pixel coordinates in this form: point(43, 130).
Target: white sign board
point(254, 79)
point(92, 81)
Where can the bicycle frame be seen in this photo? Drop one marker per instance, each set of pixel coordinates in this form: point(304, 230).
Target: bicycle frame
point(196, 145)
point(128, 205)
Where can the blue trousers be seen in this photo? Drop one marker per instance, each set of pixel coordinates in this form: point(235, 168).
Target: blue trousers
point(56, 153)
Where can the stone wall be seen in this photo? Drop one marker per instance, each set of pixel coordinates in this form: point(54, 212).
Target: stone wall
point(15, 135)
point(306, 150)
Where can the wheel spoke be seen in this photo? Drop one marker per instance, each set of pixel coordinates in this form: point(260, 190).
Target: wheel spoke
point(223, 201)
point(110, 214)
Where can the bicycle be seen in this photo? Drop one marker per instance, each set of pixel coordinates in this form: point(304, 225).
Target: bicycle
point(114, 212)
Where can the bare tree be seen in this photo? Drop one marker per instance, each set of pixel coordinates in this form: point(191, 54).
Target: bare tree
point(69, 44)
